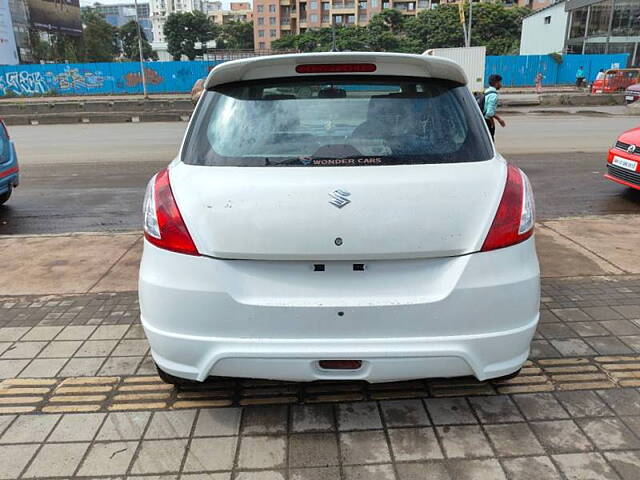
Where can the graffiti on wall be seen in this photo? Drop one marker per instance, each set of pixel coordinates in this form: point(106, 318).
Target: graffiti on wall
point(99, 78)
point(73, 78)
point(135, 78)
point(21, 82)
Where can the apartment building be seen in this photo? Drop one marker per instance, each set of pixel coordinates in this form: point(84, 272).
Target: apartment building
point(273, 19)
point(160, 10)
point(237, 12)
point(536, 4)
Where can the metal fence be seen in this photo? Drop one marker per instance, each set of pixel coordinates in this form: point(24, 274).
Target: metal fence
point(226, 55)
point(179, 77)
point(521, 70)
point(101, 78)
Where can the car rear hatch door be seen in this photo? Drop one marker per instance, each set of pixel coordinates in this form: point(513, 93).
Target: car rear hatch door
point(325, 213)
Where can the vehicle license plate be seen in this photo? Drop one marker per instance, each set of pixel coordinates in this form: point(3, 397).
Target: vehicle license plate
point(624, 163)
point(629, 97)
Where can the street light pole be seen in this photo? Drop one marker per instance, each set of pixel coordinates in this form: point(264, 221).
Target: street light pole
point(333, 34)
point(470, 18)
point(144, 78)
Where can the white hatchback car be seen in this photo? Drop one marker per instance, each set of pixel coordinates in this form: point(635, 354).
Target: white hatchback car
point(338, 216)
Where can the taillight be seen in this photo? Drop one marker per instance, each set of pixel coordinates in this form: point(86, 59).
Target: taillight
point(163, 224)
point(515, 218)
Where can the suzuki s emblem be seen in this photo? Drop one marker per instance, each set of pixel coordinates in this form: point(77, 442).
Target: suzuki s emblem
point(631, 149)
point(339, 198)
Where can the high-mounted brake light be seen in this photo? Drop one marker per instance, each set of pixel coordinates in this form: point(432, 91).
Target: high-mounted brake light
point(515, 218)
point(337, 68)
point(163, 224)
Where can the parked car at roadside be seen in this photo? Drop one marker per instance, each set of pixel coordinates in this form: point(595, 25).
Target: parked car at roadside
point(9, 170)
point(632, 93)
point(338, 216)
point(624, 158)
point(616, 80)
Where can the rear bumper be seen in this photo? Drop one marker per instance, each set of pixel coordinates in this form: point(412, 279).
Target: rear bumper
point(470, 315)
point(384, 359)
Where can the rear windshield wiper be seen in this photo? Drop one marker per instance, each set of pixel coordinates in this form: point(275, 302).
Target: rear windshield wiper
point(287, 161)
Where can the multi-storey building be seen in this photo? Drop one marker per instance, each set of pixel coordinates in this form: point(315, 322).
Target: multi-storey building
point(535, 4)
point(273, 19)
point(120, 13)
point(584, 26)
point(237, 12)
point(160, 10)
point(210, 6)
point(20, 21)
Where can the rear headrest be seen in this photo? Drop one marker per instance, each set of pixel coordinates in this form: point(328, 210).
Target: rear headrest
point(385, 105)
point(332, 93)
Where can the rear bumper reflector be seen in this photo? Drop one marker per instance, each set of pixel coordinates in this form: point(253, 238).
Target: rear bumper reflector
point(340, 364)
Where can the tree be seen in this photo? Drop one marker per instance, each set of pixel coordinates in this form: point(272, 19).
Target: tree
point(130, 46)
point(40, 50)
point(100, 39)
point(285, 42)
point(388, 20)
point(309, 41)
point(59, 48)
point(494, 26)
point(356, 39)
point(498, 28)
point(236, 36)
point(438, 28)
point(184, 30)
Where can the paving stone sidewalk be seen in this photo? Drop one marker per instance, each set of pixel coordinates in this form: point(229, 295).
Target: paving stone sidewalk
point(80, 399)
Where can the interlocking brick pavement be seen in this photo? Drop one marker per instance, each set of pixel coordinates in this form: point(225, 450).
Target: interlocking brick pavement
point(79, 398)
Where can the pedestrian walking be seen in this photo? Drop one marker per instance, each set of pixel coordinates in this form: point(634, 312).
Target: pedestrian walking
point(538, 82)
point(580, 79)
point(491, 104)
point(600, 75)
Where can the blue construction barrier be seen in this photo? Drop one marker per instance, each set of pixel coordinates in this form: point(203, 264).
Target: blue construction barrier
point(101, 78)
point(521, 70)
point(179, 77)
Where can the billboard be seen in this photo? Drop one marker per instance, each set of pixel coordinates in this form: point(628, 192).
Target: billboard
point(8, 51)
point(56, 16)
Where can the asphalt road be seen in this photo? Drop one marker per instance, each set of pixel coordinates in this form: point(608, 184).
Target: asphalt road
point(90, 178)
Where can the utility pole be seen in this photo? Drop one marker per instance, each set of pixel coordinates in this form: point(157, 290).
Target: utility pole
point(470, 18)
point(464, 24)
point(613, 9)
point(143, 76)
point(333, 34)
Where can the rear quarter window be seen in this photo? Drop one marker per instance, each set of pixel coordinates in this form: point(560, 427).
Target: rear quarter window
point(337, 121)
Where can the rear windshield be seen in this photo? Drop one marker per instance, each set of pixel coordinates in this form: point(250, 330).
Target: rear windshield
point(346, 121)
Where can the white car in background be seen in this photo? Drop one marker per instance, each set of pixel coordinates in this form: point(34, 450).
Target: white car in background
point(338, 216)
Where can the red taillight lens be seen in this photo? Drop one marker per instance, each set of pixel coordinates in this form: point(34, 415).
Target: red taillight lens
point(337, 68)
point(515, 218)
point(163, 224)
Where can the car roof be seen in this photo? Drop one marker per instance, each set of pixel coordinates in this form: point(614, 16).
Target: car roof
point(282, 66)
